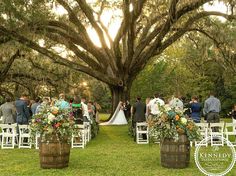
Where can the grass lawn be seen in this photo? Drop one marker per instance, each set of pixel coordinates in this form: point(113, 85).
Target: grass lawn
point(112, 153)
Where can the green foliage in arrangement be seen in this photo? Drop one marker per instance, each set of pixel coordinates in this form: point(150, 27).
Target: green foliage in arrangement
point(52, 121)
point(171, 123)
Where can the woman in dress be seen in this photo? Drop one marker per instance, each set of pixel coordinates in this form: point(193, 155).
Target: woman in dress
point(118, 118)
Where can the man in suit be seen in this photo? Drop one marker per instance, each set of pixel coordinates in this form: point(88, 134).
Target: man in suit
point(138, 112)
point(22, 111)
point(127, 110)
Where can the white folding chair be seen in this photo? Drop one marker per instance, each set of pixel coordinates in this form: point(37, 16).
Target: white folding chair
point(24, 136)
point(78, 139)
point(87, 132)
point(203, 128)
point(141, 131)
point(230, 130)
point(8, 136)
point(37, 138)
point(217, 134)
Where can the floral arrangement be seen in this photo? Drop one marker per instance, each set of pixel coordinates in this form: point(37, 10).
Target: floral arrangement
point(52, 121)
point(171, 123)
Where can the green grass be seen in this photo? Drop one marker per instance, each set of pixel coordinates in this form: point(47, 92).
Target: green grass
point(111, 153)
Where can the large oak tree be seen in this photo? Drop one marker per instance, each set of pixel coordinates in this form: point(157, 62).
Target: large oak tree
point(146, 29)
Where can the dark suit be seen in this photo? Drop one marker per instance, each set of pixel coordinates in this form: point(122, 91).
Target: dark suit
point(22, 112)
point(139, 110)
point(127, 111)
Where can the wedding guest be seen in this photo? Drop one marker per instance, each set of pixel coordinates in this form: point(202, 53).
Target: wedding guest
point(35, 105)
point(53, 101)
point(97, 110)
point(154, 106)
point(176, 103)
point(61, 103)
point(45, 103)
point(232, 114)
point(138, 114)
point(139, 110)
point(86, 117)
point(22, 111)
point(91, 110)
point(212, 108)
point(77, 110)
point(147, 106)
point(195, 109)
point(8, 111)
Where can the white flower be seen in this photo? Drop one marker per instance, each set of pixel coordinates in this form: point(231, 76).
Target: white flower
point(51, 117)
point(167, 107)
point(183, 120)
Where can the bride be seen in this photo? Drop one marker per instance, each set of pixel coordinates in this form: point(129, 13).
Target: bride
point(118, 117)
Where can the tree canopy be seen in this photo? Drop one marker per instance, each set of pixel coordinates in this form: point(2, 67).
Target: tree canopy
point(146, 29)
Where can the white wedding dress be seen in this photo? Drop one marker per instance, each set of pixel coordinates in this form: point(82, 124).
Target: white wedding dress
point(118, 117)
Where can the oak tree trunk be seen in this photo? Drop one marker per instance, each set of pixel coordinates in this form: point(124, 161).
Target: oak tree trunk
point(119, 93)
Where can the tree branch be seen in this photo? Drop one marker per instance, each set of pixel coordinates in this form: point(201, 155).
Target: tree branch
point(78, 67)
point(152, 49)
point(89, 14)
point(5, 70)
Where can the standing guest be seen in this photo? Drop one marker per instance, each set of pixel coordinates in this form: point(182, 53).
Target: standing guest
point(127, 110)
point(91, 110)
point(187, 108)
point(61, 103)
point(154, 106)
point(176, 103)
point(53, 101)
point(8, 111)
point(195, 109)
point(77, 110)
point(45, 103)
point(97, 110)
point(35, 105)
point(147, 106)
point(212, 107)
point(86, 117)
point(22, 111)
point(138, 114)
point(233, 115)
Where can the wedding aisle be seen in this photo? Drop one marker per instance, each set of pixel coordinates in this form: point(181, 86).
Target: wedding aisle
point(111, 153)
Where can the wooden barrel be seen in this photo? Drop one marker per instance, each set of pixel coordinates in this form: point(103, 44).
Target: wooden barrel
point(175, 154)
point(54, 154)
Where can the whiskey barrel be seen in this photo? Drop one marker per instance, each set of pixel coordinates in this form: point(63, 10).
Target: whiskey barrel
point(175, 154)
point(54, 154)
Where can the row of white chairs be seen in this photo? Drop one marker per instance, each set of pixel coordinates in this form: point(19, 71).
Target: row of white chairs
point(216, 132)
point(81, 136)
point(207, 130)
point(10, 137)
